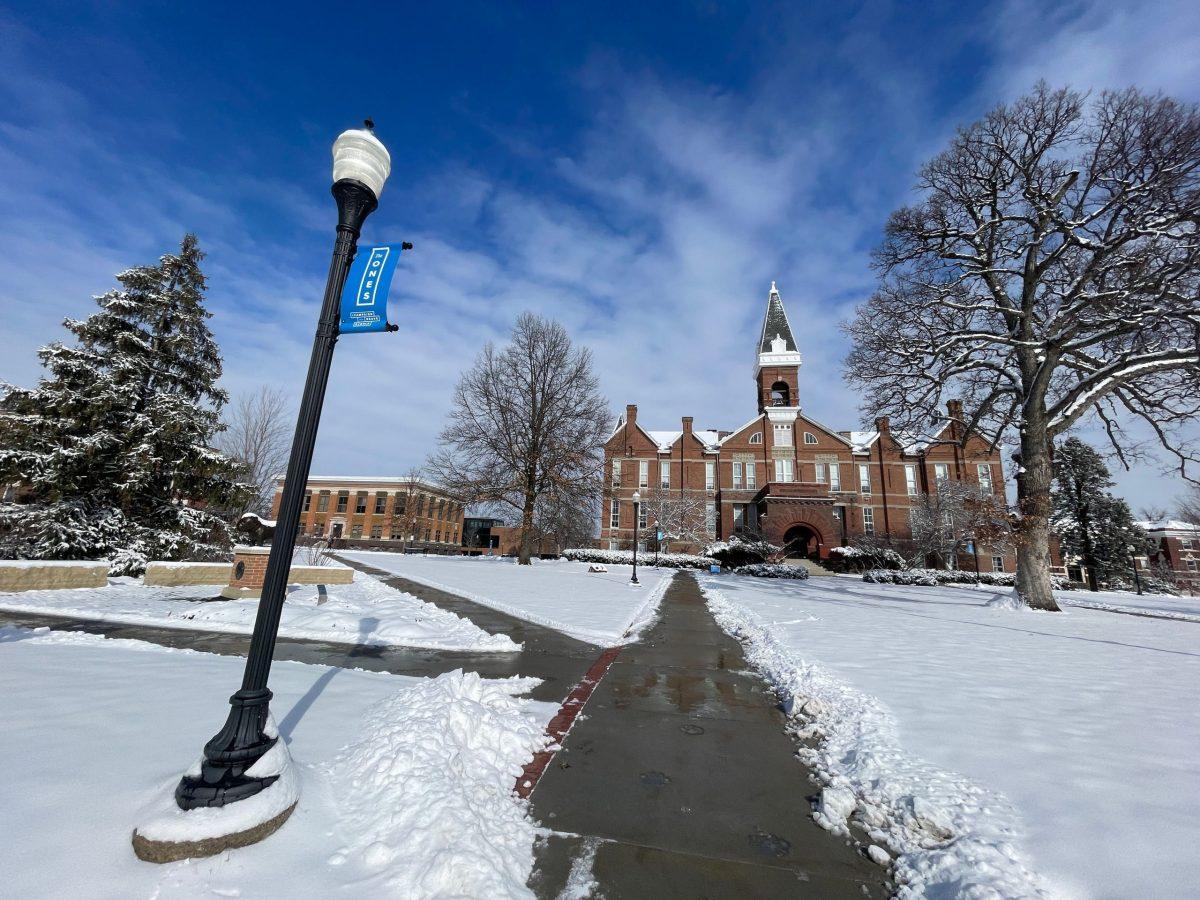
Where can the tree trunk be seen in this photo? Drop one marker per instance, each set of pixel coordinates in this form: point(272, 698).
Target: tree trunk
point(1033, 498)
point(527, 529)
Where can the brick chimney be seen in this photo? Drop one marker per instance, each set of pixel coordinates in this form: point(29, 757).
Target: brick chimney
point(631, 415)
point(687, 425)
point(882, 425)
point(954, 409)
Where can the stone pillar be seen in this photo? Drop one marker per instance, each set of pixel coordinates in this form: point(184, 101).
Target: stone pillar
point(249, 569)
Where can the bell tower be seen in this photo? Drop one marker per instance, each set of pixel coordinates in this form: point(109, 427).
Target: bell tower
point(777, 368)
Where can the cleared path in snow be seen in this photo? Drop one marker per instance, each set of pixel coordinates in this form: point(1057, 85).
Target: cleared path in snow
point(679, 781)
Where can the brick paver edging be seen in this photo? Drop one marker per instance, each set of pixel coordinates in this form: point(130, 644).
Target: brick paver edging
point(558, 727)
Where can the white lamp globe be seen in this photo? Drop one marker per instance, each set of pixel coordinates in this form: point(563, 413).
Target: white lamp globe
point(359, 155)
point(637, 496)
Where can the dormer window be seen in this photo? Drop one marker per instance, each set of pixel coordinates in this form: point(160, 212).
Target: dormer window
point(781, 394)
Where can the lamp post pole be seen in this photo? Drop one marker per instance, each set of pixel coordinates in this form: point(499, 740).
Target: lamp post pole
point(657, 541)
point(1137, 579)
point(637, 497)
point(361, 165)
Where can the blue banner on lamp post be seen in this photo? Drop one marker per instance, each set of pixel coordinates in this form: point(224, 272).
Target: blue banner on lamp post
point(364, 298)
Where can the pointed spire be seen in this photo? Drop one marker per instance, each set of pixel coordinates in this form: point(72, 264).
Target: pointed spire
point(776, 327)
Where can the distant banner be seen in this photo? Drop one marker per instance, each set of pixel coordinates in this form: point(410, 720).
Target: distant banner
point(364, 298)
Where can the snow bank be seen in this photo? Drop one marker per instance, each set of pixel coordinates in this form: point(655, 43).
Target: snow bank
point(407, 782)
point(931, 818)
point(599, 608)
point(1062, 743)
point(426, 789)
point(364, 612)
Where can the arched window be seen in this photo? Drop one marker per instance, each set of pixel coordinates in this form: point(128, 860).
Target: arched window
point(780, 394)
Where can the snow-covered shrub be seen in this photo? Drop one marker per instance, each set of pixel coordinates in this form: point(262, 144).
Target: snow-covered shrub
point(126, 562)
point(858, 559)
point(738, 551)
point(917, 577)
point(1150, 584)
point(773, 570)
point(645, 557)
point(934, 577)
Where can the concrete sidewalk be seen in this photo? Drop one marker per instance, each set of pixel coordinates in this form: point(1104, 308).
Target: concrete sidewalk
point(679, 781)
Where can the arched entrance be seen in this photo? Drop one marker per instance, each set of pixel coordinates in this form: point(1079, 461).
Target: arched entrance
point(802, 541)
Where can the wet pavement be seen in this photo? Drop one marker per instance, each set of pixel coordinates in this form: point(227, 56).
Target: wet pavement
point(680, 780)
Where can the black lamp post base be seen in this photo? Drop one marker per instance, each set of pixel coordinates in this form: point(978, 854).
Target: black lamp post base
point(241, 743)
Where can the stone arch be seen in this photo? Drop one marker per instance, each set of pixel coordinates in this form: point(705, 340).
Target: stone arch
point(803, 537)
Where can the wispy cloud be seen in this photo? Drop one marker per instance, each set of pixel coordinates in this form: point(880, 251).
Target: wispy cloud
point(653, 232)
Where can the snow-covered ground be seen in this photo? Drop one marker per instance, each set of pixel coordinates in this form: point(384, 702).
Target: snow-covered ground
point(600, 608)
point(365, 612)
point(1011, 749)
point(406, 783)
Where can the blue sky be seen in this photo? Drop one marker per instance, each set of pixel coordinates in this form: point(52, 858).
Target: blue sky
point(640, 172)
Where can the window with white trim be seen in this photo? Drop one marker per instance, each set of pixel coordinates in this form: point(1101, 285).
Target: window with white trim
point(835, 477)
point(941, 472)
point(739, 516)
point(613, 545)
point(614, 513)
point(710, 517)
point(737, 474)
point(868, 520)
point(810, 438)
point(641, 508)
point(910, 480)
point(710, 475)
point(820, 473)
point(756, 438)
point(616, 473)
point(1191, 564)
point(751, 474)
point(985, 476)
point(783, 435)
point(997, 563)
point(643, 473)
point(864, 479)
point(664, 473)
point(785, 470)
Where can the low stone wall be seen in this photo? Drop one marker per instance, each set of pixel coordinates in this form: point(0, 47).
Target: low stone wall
point(172, 574)
point(169, 574)
point(47, 575)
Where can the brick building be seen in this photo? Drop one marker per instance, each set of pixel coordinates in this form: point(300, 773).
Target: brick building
point(798, 482)
point(1177, 548)
point(388, 513)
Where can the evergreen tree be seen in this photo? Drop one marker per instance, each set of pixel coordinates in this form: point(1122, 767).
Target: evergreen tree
point(112, 449)
point(1092, 523)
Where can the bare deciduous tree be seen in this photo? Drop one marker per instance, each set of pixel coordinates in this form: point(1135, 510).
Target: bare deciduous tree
point(679, 514)
point(1189, 506)
point(256, 436)
point(404, 509)
point(527, 427)
point(1051, 271)
point(946, 523)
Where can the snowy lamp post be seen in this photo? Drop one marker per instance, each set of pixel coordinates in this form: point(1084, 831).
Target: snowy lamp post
point(637, 502)
point(361, 165)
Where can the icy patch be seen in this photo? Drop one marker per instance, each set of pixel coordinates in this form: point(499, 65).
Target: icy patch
point(951, 837)
point(426, 789)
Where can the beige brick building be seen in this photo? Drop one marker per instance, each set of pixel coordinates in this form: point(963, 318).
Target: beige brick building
point(388, 513)
point(795, 480)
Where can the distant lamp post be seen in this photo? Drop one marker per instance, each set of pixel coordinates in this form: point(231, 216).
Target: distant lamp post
point(637, 505)
point(657, 541)
point(361, 165)
point(1137, 578)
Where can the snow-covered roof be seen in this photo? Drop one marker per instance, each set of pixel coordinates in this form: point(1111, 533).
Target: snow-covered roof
point(1169, 525)
point(666, 439)
point(909, 441)
point(860, 441)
